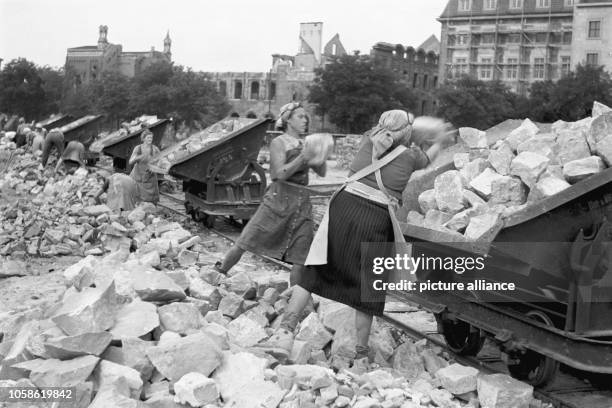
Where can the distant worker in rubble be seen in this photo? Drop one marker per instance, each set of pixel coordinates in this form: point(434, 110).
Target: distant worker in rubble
point(73, 157)
point(282, 227)
point(121, 192)
point(55, 138)
point(38, 139)
point(22, 133)
point(148, 190)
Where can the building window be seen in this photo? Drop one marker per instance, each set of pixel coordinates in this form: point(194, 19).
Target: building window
point(567, 37)
point(255, 90)
point(435, 82)
point(565, 66)
point(487, 39)
point(516, 4)
point(569, 3)
point(512, 68)
point(415, 80)
point(223, 88)
point(592, 59)
point(238, 90)
point(425, 81)
point(460, 67)
point(514, 38)
point(543, 3)
point(594, 29)
point(465, 5)
point(485, 69)
point(272, 90)
point(538, 68)
point(462, 39)
point(490, 4)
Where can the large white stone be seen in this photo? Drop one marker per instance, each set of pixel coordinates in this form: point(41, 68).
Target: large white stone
point(577, 170)
point(245, 332)
point(529, 167)
point(457, 378)
point(548, 187)
point(508, 190)
point(600, 137)
point(501, 158)
point(482, 183)
point(196, 390)
point(135, 319)
point(57, 373)
point(572, 146)
point(503, 391)
point(427, 200)
point(599, 109)
point(543, 143)
point(156, 286)
point(107, 372)
point(314, 332)
point(474, 138)
point(471, 170)
point(180, 317)
point(481, 226)
point(524, 132)
point(448, 191)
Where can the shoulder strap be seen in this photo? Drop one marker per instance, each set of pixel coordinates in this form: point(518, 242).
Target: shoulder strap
point(378, 164)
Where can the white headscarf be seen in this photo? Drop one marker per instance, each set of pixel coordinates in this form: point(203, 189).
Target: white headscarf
point(394, 127)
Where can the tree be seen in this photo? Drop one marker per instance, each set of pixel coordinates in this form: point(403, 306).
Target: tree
point(53, 86)
point(473, 103)
point(21, 89)
point(354, 90)
point(571, 98)
point(112, 96)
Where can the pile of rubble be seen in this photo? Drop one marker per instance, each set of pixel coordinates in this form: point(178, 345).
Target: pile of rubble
point(107, 138)
point(490, 184)
point(129, 334)
point(197, 142)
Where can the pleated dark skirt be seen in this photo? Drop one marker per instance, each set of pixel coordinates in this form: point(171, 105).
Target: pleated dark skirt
point(353, 220)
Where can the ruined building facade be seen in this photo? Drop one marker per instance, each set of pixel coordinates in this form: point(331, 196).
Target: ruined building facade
point(523, 41)
point(90, 61)
point(417, 68)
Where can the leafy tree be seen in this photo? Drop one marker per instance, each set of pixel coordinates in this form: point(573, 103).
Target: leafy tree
point(53, 86)
point(353, 90)
point(570, 98)
point(21, 89)
point(112, 95)
point(474, 103)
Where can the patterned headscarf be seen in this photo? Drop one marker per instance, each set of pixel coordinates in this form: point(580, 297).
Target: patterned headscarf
point(394, 128)
point(285, 113)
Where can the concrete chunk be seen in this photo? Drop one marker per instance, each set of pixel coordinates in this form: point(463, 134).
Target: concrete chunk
point(460, 160)
point(245, 332)
point(57, 373)
point(572, 146)
point(524, 132)
point(482, 225)
point(68, 347)
point(427, 201)
point(231, 305)
point(503, 391)
point(599, 109)
point(472, 170)
point(196, 352)
point(474, 138)
point(180, 317)
point(135, 319)
point(314, 332)
point(107, 372)
point(501, 158)
point(458, 379)
point(508, 190)
point(156, 286)
point(529, 167)
point(548, 187)
point(448, 191)
point(196, 390)
point(482, 183)
point(577, 170)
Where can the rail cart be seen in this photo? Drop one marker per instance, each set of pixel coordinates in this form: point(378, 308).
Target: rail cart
point(121, 148)
point(222, 177)
point(558, 252)
point(55, 121)
point(84, 130)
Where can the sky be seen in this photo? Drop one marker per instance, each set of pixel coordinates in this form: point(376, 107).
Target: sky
point(209, 35)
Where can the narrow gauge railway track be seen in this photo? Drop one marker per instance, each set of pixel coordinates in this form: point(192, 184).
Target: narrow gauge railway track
point(565, 392)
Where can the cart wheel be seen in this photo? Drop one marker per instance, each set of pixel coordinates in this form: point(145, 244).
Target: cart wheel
point(532, 367)
point(460, 337)
point(209, 221)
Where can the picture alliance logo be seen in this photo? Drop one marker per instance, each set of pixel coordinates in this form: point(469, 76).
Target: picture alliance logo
point(412, 264)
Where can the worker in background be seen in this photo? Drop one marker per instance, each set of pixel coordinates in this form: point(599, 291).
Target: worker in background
point(73, 157)
point(55, 138)
point(21, 133)
point(38, 138)
point(148, 190)
point(121, 192)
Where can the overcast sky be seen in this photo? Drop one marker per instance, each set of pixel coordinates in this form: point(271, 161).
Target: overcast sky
point(209, 35)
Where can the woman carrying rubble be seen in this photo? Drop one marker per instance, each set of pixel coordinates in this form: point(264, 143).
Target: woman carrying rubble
point(282, 226)
point(148, 190)
point(362, 211)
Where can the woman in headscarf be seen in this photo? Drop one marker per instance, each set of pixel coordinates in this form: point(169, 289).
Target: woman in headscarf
point(360, 212)
point(282, 226)
point(148, 190)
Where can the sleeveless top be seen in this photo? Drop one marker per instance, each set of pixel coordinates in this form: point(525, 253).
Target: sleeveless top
point(293, 148)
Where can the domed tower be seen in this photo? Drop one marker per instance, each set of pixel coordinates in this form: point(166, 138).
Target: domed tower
point(167, 45)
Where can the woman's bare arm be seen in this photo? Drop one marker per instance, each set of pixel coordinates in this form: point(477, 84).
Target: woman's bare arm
point(321, 170)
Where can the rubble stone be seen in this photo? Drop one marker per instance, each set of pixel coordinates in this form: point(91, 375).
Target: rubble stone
point(457, 378)
point(482, 183)
point(241, 382)
point(548, 187)
point(96, 210)
point(313, 332)
point(156, 286)
point(300, 353)
point(91, 310)
point(599, 137)
point(240, 284)
point(406, 361)
point(107, 372)
point(471, 170)
point(482, 225)
point(435, 219)
point(196, 352)
point(187, 258)
point(503, 391)
point(231, 305)
point(217, 333)
point(67, 347)
point(448, 191)
point(572, 146)
point(474, 138)
point(200, 289)
point(460, 160)
point(415, 218)
point(180, 317)
point(508, 190)
point(135, 319)
point(115, 394)
point(196, 390)
point(427, 201)
point(577, 170)
point(57, 373)
point(245, 332)
point(599, 109)
point(472, 198)
point(133, 354)
point(524, 132)
point(529, 167)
